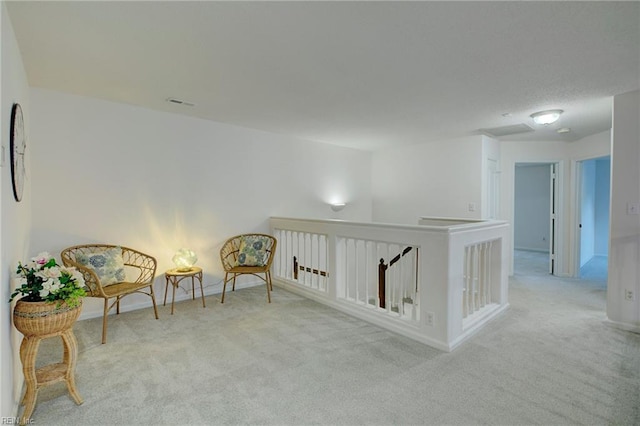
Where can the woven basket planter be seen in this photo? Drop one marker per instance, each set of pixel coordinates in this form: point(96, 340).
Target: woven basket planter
point(42, 318)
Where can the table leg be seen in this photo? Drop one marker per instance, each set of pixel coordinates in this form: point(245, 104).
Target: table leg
point(201, 289)
point(174, 284)
point(165, 290)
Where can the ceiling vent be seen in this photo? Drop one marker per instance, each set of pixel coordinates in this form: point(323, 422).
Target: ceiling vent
point(180, 102)
point(497, 132)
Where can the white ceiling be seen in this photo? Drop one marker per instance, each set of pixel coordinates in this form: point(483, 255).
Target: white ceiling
point(366, 75)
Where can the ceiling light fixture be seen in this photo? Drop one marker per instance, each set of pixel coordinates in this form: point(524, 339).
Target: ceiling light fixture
point(336, 207)
point(546, 117)
point(563, 130)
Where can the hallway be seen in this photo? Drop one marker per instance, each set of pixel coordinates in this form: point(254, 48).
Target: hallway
point(537, 263)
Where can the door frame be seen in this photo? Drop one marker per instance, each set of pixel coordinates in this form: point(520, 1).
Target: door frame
point(556, 223)
point(554, 205)
point(576, 167)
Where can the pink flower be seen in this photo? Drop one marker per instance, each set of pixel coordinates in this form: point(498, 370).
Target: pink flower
point(41, 258)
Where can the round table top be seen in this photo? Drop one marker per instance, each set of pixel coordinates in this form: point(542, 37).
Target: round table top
point(192, 271)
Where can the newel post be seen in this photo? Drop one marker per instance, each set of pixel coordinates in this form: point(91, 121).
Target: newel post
point(382, 285)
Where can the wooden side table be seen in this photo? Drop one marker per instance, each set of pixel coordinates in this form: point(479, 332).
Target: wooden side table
point(174, 276)
point(35, 378)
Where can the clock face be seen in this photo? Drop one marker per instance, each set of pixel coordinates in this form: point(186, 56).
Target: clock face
point(18, 145)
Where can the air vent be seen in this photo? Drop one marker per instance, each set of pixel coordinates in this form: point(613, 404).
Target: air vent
point(497, 132)
point(180, 102)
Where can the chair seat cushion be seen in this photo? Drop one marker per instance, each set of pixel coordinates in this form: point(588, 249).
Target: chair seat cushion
point(107, 264)
point(252, 251)
point(122, 288)
point(248, 269)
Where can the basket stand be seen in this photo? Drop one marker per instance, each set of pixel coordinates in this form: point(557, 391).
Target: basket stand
point(35, 378)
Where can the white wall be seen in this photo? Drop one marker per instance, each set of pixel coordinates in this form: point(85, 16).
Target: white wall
point(15, 217)
point(432, 179)
point(624, 253)
point(603, 199)
point(587, 211)
point(490, 190)
point(532, 207)
point(443, 178)
point(114, 173)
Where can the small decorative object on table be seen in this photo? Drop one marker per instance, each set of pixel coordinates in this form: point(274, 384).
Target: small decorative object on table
point(51, 303)
point(184, 259)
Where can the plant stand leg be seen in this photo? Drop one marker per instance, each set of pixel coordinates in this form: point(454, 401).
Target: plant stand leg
point(70, 357)
point(49, 374)
point(28, 352)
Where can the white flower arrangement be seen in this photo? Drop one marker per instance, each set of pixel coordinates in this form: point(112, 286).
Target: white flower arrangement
point(42, 279)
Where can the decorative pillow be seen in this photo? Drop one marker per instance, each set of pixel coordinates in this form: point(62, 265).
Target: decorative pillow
point(107, 264)
point(253, 251)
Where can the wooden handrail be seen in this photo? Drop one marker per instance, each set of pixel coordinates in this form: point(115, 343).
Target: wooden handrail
point(382, 280)
point(395, 259)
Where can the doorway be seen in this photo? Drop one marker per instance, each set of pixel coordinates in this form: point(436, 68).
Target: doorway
point(593, 201)
point(535, 216)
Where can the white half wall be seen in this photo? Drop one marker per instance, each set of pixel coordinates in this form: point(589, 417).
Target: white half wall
point(155, 181)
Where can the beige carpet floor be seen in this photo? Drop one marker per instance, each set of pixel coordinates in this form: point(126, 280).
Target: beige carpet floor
point(551, 359)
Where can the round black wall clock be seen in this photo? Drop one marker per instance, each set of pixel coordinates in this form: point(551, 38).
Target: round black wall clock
point(17, 148)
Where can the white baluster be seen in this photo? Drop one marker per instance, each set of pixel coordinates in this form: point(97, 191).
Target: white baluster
point(323, 263)
point(467, 282)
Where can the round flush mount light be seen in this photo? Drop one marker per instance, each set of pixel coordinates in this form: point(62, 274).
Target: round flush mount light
point(546, 117)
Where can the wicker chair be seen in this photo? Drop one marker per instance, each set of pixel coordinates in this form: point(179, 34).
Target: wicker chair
point(230, 253)
point(135, 263)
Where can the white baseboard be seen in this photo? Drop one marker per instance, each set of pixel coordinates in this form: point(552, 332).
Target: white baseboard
point(634, 328)
point(396, 326)
point(209, 290)
point(537, 250)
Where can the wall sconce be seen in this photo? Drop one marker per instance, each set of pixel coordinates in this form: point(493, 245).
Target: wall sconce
point(184, 259)
point(336, 207)
point(546, 117)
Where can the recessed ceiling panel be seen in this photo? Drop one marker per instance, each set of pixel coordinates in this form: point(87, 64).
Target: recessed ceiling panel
point(497, 132)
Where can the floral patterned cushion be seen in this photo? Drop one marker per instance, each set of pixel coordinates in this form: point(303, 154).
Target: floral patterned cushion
point(107, 264)
point(253, 251)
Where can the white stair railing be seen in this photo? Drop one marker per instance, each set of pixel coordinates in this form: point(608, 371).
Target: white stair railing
point(302, 257)
point(374, 279)
point(477, 278)
point(436, 283)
